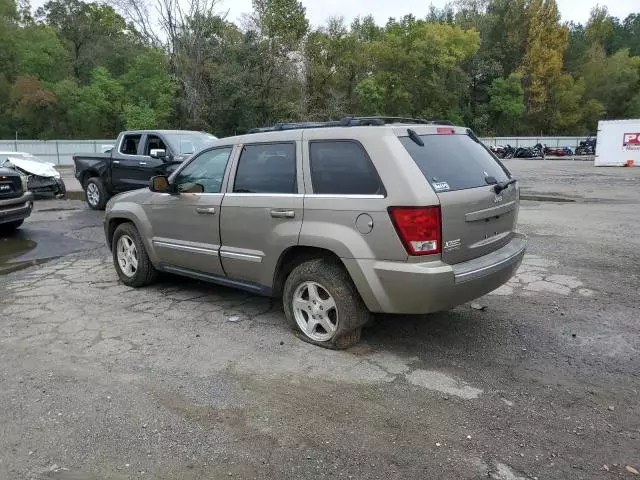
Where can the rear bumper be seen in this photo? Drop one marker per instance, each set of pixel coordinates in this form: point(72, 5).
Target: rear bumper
point(13, 209)
point(416, 288)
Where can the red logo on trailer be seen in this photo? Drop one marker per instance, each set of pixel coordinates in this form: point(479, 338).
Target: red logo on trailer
point(631, 139)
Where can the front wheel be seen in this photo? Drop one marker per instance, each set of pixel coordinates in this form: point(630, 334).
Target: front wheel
point(130, 257)
point(323, 305)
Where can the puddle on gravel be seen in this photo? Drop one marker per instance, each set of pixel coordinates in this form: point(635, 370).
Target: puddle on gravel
point(11, 248)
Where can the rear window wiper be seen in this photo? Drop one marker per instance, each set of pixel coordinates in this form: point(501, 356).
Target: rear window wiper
point(504, 185)
point(415, 137)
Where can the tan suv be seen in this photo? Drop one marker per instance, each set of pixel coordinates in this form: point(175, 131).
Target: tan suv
point(340, 219)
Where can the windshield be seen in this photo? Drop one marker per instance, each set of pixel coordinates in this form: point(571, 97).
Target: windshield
point(454, 162)
point(188, 142)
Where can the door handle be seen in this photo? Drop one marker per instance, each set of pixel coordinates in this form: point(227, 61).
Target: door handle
point(206, 211)
point(283, 213)
point(143, 163)
point(116, 161)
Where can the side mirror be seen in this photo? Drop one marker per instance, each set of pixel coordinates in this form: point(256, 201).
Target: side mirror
point(158, 153)
point(159, 184)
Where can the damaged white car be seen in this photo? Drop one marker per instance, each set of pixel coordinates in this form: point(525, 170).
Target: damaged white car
point(42, 177)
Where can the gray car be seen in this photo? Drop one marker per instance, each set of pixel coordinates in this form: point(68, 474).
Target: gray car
point(340, 219)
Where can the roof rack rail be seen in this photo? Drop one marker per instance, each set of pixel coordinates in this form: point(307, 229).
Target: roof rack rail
point(350, 122)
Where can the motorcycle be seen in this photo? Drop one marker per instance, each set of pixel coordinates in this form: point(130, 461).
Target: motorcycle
point(558, 151)
point(530, 152)
point(504, 151)
point(586, 147)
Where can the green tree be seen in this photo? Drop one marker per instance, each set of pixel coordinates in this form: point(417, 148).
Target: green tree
point(507, 103)
point(599, 28)
point(33, 106)
point(577, 53)
point(41, 53)
point(417, 66)
point(614, 81)
point(149, 90)
point(95, 34)
point(543, 60)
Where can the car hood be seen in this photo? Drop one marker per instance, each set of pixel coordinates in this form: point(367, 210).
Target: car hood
point(35, 168)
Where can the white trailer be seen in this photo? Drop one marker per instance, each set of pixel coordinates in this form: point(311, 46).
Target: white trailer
point(618, 143)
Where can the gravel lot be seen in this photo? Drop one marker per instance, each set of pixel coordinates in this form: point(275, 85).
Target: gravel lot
point(188, 380)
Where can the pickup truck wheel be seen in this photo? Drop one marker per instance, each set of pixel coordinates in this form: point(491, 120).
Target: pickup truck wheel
point(323, 305)
point(130, 257)
point(97, 196)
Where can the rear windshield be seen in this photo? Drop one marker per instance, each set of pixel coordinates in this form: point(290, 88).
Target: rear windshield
point(453, 162)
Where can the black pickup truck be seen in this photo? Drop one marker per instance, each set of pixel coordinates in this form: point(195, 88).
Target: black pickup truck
point(135, 158)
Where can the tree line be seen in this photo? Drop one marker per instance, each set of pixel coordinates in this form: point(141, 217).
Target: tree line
point(72, 69)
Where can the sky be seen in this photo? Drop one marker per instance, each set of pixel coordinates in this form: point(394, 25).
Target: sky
point(319, 10)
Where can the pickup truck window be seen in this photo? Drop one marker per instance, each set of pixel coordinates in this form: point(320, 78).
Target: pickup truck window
point(207, 170)
point(154, 143)
point(129, 145)
point(185, 143)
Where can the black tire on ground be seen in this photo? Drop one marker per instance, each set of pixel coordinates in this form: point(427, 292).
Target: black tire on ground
point(10, 226)
point(103, 196)
point(146, 273)
point(352, 312)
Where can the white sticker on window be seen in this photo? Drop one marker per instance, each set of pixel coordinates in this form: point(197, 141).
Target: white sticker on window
point(441, 186)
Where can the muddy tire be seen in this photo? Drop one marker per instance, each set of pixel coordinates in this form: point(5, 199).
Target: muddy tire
point(96, 194)
point(323, 306)
point(130, 257)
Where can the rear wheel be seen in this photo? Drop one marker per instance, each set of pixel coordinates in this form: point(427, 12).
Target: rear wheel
point(97, 196)
point(130, 257)
point(322, 304)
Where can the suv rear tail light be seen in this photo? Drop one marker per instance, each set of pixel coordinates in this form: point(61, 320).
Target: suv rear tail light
point(419, 228)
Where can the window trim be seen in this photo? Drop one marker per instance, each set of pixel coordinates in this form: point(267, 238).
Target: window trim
point(241, 145)
point(347, 195)
point(176, 174)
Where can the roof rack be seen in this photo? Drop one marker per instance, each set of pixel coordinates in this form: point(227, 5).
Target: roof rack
point(350, 122)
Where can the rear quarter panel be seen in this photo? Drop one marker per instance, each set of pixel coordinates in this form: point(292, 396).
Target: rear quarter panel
point(330, 220)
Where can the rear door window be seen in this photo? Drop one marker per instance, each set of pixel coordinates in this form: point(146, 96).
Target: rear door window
point(267, 168)
point(454, 162)
point(342, 167)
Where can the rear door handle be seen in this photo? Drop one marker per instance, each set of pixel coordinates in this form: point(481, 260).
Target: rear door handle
point(143, 163)
point(116, 161)
point(206, 211)
point(283, 213)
